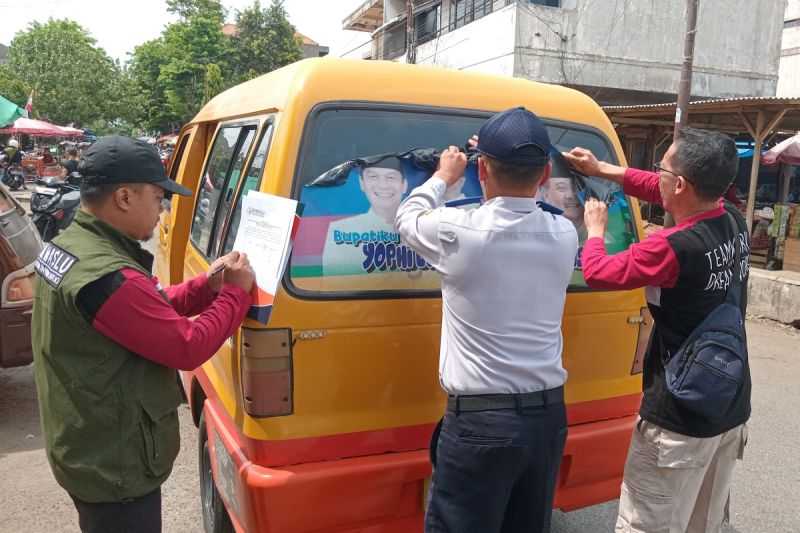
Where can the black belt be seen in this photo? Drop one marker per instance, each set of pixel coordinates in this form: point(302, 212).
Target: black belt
point(489, 402)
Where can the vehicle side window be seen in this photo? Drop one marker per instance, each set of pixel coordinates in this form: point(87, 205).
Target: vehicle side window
point(251, 182)
point(178, 157)
point(229, 150)
point(245, 142)
point(175, 165)
point(568, 192)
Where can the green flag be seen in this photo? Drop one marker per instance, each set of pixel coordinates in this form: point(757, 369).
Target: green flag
point(9, 112)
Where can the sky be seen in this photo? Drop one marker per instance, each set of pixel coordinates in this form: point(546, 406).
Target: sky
point(120, 25)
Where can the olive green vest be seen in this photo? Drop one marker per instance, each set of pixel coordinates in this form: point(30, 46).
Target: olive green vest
point(109, 416)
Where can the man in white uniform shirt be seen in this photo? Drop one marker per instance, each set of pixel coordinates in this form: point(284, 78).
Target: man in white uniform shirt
point(505, 268)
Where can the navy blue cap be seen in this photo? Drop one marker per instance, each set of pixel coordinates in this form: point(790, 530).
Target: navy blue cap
point(515, 136)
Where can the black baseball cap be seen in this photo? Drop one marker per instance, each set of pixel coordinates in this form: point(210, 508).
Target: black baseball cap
point(515, 136)
point(120, 159)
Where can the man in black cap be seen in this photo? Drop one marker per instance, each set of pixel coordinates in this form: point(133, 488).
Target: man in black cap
point(107, 340)
point(505, 268)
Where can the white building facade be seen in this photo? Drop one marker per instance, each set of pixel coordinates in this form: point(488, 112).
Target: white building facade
point(617, 51)
point(789, 80)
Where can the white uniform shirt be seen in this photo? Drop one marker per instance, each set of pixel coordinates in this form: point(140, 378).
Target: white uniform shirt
point(505, 269)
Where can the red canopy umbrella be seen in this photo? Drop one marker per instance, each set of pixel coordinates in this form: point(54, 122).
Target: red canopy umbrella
point(40, 128)
point(71, 132)
point(787, 152)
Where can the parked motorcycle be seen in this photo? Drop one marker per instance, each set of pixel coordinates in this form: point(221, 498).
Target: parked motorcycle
point(54, 204)
point(12, 177)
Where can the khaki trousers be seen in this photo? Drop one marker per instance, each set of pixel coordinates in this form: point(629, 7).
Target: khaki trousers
point(677, 484)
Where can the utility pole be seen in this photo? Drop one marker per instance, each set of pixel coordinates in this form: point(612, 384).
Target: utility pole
point(411, 41)
point(685, 86)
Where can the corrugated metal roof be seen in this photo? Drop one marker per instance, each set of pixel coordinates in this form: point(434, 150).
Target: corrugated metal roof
point(741, 100)
point(365, 17)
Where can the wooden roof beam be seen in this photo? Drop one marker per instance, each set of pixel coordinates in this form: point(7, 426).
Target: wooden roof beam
point(618, 121)
point(747, 124)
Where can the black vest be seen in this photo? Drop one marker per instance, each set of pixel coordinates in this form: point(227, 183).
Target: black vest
point(705, 253)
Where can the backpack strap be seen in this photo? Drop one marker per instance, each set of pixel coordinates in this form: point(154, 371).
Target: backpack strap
point(733, 294)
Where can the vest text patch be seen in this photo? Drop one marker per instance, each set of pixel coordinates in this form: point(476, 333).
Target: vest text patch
point(53, 263)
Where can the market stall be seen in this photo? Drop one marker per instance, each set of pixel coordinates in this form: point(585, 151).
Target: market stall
point(40, 128)
point(40, 162)
point(785, 227)
point(646, 130)
point(758, 122)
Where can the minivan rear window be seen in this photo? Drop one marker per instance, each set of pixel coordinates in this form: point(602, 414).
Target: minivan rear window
point(346, 245)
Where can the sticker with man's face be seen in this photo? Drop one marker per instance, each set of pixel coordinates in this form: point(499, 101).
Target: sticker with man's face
point(367, 242)
point(384, 189)
point(562, 192)
point(347, 241)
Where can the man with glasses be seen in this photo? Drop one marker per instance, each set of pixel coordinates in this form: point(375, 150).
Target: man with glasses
point(680, 464)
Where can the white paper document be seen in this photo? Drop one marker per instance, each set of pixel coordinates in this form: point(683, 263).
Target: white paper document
point(265, 235)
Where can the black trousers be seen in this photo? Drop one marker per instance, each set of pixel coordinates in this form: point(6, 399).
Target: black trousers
point(495, 471)
point(139, 515)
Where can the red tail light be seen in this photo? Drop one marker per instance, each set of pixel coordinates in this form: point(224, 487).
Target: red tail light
point(58, 215)
point(645, 321)
point(18, 287)
point(266, 364)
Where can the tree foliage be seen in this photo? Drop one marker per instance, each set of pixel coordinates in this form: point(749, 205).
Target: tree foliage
point(165, 82)
point(213, 83)
point(12, 88)
point(73, 80)
point(193, 60)
point(265, 40)
point(170, 73)
point(149, 98)
point(186, 9)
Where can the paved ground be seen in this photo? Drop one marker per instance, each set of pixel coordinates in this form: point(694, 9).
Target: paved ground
point(766, 495)
point(24, 196)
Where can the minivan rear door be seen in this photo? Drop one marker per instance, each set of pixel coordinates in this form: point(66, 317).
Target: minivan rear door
point(365, 311)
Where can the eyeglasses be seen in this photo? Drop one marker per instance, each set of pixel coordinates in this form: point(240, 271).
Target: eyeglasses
point(658, 168)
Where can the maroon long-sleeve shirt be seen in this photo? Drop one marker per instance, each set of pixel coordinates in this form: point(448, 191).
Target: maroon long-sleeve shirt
point(653, 261)
point(131, 309)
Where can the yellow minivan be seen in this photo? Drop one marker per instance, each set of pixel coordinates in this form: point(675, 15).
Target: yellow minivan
point(320, 420)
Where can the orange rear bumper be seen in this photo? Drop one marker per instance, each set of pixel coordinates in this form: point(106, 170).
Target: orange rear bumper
point(384, 493)
point(594, 458)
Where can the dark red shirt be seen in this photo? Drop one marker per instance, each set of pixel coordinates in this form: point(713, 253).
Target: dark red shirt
point(651, 262)
point(131, 309)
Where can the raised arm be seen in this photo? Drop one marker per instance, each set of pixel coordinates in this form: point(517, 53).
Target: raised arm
point(651, 262)
point(639, 183)
point(417, 218)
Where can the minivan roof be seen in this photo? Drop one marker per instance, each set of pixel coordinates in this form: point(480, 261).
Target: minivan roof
point(316, 80)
